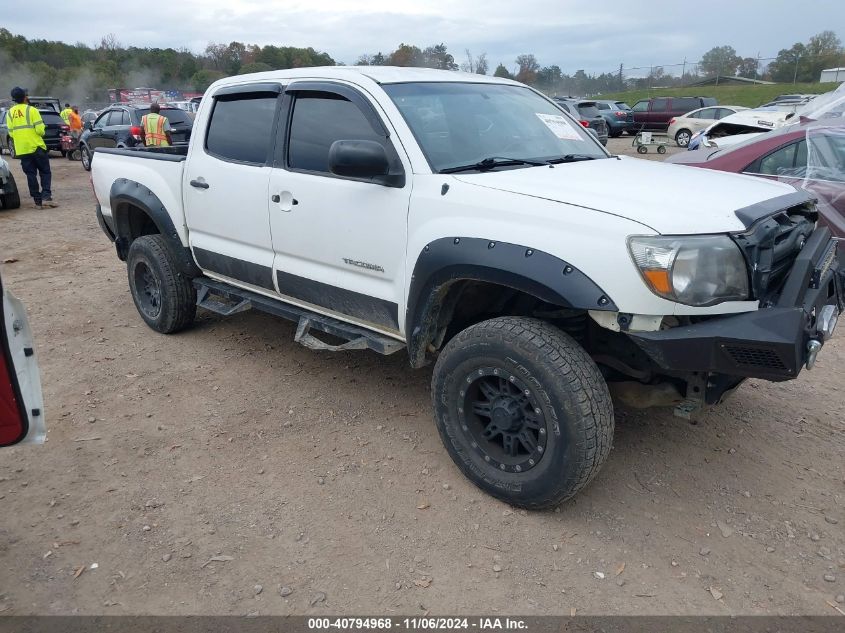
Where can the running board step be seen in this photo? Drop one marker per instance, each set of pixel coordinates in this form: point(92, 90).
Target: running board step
point(226, 300)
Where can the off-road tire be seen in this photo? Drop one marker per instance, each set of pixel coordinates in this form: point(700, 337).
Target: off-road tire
point(566, 386)
point(176, 303)
point(11, 199)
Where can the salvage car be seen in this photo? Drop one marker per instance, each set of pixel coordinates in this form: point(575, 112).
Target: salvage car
point(588, 115)
point(683, 127)
point(752, 121)
point(120, 126)
point(21, 401)
point(9, 196)
point(809, 155)
point(54, 127)
point(467, 221)
point(618, 116)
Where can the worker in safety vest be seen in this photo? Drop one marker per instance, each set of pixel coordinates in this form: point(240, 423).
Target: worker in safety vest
point(27, 131)
point(155, 129)
point(65, 114)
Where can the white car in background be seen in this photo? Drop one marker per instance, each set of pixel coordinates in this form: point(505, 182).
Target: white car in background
point(683, 127)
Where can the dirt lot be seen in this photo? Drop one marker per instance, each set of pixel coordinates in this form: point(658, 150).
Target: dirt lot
point(322, 474)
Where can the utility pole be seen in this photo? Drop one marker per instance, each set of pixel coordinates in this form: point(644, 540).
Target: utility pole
point(684, 70)
point(757, 67)
point(621, 80)
point(795, 74)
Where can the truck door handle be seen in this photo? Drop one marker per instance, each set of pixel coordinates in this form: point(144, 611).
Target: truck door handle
point(275, 197)
point(199, 184)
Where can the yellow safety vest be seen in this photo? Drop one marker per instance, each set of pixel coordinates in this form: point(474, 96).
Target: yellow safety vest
point(153, 125)
point(26, 128)
point(65, 114)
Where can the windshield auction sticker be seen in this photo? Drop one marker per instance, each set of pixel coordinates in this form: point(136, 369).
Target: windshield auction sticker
point(560, 126)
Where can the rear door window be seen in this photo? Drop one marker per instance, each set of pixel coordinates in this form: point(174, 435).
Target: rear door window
point(659, 105)
point(588, 110)
point(602, 106)
point(685, 104)
point(241, 127)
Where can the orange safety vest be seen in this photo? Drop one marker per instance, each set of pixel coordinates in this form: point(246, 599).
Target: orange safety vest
point(153, 125)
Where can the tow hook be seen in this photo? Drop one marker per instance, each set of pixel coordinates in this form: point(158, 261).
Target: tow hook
point(813, 348)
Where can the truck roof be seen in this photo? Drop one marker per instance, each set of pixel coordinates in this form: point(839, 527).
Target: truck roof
point(378, 74)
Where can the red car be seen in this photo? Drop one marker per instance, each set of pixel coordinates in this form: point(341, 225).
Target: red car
point(809, 155)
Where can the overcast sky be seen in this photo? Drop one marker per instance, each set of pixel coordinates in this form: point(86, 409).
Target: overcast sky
point(586, 34)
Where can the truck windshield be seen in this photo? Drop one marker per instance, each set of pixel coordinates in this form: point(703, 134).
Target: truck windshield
point(460, 124)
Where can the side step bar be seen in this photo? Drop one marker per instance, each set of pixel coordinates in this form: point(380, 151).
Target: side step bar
point(221, 298)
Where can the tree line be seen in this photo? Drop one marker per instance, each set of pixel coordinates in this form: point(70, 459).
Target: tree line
point(84, 73)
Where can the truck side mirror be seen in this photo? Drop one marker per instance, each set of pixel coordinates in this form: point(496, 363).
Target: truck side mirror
point(362, 159)
point(89, 126)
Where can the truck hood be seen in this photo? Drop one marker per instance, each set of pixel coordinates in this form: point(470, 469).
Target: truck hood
point(669, 199)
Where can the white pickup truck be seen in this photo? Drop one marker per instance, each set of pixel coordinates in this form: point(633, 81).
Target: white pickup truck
point(470, 221)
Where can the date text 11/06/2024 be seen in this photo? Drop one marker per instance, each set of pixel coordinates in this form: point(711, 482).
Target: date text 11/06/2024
point(417, 624)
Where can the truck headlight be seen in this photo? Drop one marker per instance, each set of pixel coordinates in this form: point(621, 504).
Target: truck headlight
point(696, 271)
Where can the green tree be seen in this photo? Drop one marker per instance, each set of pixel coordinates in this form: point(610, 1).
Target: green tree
point(501, 71)
point(786, 64)
point(202, 79)
point(747, 68)
point(254, 67)
point(720, 60)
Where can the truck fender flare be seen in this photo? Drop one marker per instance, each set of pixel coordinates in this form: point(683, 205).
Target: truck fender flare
point(127, 193)
point(535, 272)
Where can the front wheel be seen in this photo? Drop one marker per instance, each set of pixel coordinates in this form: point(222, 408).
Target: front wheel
point(642, 149)
point(165, 297)
point(11, 148)
point(85, 155)
point(523, 410)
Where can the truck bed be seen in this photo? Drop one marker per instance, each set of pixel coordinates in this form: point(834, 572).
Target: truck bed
point(158, 169)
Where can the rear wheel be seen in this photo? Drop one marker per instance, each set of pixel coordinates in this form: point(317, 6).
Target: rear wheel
point(12, 198)
point(642, 149)
point(11, 148)
point(165, 298)
point(682, 138)
point(523, 410)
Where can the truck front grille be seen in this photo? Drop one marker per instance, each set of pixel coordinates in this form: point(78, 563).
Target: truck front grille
point(755, 357)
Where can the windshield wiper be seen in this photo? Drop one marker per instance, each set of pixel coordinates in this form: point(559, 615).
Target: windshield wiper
point(492, 163)
point(571, 158)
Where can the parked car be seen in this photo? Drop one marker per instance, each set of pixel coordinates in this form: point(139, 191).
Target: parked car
point(120, 126)
point(618, 116)
point(21, 401)
point(9, 196)
point(749, 121)
point(467, 221)
point(54, 127)
point(654, 114)
point(809, 155)
point(587, 114)
point(683, 127)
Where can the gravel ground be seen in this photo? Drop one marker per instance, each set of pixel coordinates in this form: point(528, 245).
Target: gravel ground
point(227, 470)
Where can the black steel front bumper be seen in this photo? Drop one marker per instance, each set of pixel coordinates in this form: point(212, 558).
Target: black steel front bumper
point(771, 342)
